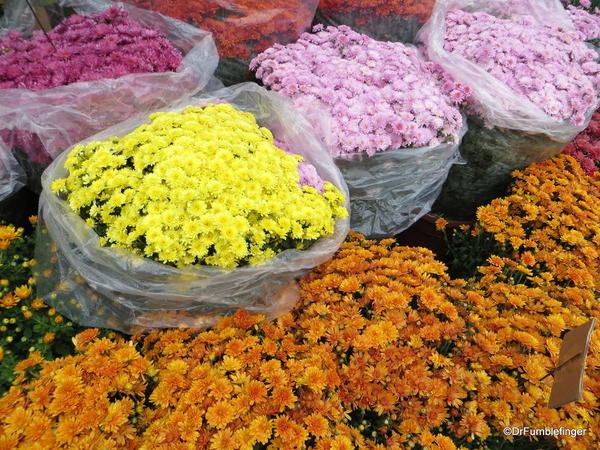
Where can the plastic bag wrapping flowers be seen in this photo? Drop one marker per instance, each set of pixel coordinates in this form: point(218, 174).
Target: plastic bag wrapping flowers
point(37, 125)
point(585, 148)
point(12, 177)
point(17, 16)
point(534, 88)
point(241, 28)
point(390, 119)
point(385, 20)
point(97, 277)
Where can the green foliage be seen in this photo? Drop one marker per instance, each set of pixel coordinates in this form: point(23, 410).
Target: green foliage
point(466, 252)
point(26, 323)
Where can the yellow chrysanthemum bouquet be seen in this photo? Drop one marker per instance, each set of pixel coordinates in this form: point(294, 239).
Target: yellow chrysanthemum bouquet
point(191, 216)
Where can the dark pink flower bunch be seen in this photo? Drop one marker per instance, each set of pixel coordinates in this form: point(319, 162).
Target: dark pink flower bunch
point(105, 45)
point(585, 148)
point(29, 143)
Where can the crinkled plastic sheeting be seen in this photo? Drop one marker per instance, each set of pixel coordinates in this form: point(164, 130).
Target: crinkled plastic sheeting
point(521, 133)
point(38, 126)
point(383, 20)
point(391, 190)
point(241, 28)
point(492, 154)
point(17, 16)
point(108, 287)
point(12, 177)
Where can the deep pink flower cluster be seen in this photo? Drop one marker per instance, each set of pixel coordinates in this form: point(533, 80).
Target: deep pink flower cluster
point(588, 25)
point(29, 143)
point(553, 68)
point(381, 95)
point(585, 148)
point(105, 45)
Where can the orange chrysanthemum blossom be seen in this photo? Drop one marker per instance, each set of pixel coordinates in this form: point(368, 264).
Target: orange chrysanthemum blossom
point(552, 220)
point(241, 28)
point(380, 331)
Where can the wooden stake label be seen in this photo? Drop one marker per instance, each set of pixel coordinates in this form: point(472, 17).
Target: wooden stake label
point(568, 375)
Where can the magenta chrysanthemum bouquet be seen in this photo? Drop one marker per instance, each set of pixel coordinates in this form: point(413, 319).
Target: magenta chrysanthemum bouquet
point(534, 86)
point(105, 45)
point(391, 119)
point(99, 67)
point(381, 95)
point(585, 148)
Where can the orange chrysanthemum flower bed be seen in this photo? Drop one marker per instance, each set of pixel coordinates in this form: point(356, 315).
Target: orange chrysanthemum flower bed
point(551, 223)
point(384, 350)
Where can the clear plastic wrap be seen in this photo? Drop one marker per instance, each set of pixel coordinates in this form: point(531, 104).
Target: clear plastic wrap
point(391, 190)
point(498, 103)
point(384, 20)
point(38, 126)
point(509, 132)
point(491, 155)
point(241, 28)
point(17, 16)
point(12, 177)
point(109, 287)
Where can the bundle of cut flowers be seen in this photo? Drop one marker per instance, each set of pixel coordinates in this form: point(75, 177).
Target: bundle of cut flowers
point(241, 28)
point(394, 20)
point(547, 65)
point(105, 45)
point(371, 100)
point(381, 95)
point(585, 148)
point(202, 186)
point(534, 87)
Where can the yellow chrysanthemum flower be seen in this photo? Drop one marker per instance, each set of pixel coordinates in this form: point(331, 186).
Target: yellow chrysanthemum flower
point(205, 185)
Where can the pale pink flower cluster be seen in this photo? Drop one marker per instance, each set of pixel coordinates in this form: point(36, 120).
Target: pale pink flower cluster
point(552, 67)
point(581, 4)
point(587, 24)
point(381, 95)
point(308, 172)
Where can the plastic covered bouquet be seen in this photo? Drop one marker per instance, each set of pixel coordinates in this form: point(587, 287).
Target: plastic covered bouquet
point(215, 204)
point(241, 28)
point(394, 121)
point(205, 185)
point(534, 87)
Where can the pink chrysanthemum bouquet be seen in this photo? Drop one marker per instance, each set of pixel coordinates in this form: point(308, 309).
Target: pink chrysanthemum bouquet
point(394, 124)
point(534, 81)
